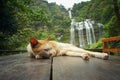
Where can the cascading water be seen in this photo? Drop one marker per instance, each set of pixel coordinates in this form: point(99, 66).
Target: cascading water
point(91, 29)
point(70, 14)
point(88, 32)
point(85, 32)
point(72, 32)
point(80, 34)
point(85, 29)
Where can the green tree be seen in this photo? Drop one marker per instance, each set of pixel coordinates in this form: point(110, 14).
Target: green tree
point(100, 11)
point(17, 15)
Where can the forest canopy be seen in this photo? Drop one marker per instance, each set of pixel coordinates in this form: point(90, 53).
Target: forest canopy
point(22, 19)
point(106, 12)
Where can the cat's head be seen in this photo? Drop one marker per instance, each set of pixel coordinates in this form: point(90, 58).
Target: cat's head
point(41, 48)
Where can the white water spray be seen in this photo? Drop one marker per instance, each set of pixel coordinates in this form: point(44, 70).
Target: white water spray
point(80, 34)
point(85, 32)
point(70, 14)
point(72, 32)
point(85, 29)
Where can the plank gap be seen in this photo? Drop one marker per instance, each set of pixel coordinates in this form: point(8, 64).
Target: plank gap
point(51, 70)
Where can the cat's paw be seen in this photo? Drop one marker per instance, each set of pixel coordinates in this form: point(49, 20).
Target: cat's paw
point(37, 56)
point(31, 55)
point(106, 57)
point(86, 57)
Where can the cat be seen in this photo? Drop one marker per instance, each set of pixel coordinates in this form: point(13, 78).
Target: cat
point(47, 49)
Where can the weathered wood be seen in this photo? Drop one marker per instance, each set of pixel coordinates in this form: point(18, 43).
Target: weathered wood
point(2, 51)
point(116, 38)
point(105, 44)
point(21, 67)
point(112, 50)
point(74, 68)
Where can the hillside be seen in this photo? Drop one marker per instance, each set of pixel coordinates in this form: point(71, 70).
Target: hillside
point(21, 19)
point(100, 11)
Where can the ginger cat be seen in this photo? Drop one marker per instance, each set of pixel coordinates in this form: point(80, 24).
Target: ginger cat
point(46, 49)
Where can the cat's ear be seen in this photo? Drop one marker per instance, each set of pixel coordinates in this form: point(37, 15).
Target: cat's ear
point(33, 42)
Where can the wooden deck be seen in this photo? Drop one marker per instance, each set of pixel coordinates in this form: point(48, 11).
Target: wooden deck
point(21, 67)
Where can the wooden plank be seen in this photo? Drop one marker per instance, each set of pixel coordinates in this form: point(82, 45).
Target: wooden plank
point(112, 50)
point(116, 38)
point(8, 51)
point(74, 68)
point(21, 67)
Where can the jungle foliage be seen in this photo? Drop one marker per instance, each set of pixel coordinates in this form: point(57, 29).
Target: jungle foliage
point(106, 12)
point(22, 19)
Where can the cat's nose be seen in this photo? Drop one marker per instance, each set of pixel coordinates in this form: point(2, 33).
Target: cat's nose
point(50, 54)
point(44, 55)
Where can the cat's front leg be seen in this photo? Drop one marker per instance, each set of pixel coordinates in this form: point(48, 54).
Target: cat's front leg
point(85, 56)
point(104, 56)
point(31, 55)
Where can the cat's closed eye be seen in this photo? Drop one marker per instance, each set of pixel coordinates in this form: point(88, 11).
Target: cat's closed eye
point(46, 49)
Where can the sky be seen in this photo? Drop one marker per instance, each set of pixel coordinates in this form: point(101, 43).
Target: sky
point(67, 3)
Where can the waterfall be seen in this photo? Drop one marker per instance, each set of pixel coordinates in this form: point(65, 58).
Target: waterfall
point(80, 34)
point(90, 23)
point(72, 32)
point(86, 33)
point(70, 14)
